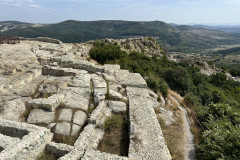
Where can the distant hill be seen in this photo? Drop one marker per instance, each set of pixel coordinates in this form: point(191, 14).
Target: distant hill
point(8, 25)
point(231, 29)
point(172, 37)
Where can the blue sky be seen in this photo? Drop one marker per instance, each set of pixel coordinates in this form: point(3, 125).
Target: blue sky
point(170, 11)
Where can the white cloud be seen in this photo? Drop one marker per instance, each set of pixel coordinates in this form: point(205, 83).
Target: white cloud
point(35, 6)
point(20, 3)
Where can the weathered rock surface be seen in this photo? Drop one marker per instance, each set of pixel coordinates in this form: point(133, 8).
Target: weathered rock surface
point(39, 116)
point(49, 104)
point(65, 115)
point(14, 109)
point(167, 116)
point(91, 154)
point(115, 95)
point(146, 138)
point(63, 128)
point(33, 140)
point(98, 113)
point(75, 129)
point(117, 106)
point(58, 78)
point(79, 118)
point(145, 45)
point(74, 100)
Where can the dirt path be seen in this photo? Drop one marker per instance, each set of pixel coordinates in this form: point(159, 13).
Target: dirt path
point(189, 139)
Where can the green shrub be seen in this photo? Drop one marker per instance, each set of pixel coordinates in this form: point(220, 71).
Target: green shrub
point(220, 141)
point(106, 53)
point(113, 122)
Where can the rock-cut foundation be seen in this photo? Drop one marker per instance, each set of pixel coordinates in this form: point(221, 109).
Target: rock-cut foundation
point(54, 102)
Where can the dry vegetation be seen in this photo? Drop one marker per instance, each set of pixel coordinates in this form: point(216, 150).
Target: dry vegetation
point(174, 133)
point(174, 138)
point(176, 96)
point(47, 156)
point(116, 138)
point(70, 140)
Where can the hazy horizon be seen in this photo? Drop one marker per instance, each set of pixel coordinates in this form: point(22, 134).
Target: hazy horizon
point(215, 12)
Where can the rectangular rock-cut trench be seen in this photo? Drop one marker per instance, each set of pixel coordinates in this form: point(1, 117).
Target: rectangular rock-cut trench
point(116, 138)
point(13, 132)
point(1, 149)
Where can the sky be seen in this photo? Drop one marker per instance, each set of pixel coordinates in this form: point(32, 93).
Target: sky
point(170, 11)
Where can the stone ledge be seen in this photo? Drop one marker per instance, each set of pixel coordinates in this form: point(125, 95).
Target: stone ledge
point(91, 154)
point(146, 137)
point(30, 145)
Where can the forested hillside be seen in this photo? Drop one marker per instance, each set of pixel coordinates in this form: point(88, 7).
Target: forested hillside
point(173, 38)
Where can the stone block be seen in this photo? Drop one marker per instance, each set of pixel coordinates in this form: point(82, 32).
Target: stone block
point(14, 109)
point(98, 82)
point(111, 68)
point(65, 115)
point(97, 113)
point(76, 100)
point(63, 128)
point(75, 129)
point(115, 95)
point(49, 104)
point(79, 118)
point(39, 116)
point(117, 106)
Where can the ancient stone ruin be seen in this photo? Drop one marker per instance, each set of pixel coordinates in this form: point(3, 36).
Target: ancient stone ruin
point(50, 93)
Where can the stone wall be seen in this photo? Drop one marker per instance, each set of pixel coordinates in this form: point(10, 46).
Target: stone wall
point(30, 142)
point(53, 87)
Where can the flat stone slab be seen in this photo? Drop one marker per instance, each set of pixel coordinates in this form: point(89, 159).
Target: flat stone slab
point(76, 98)
point(63, 128)
point(79, 118)
point(39, 116)
point(89, 137)
point(130, 79)
point(109, 78)
point(111, 68)
point(121, 75)
point(75, 129)
point(65, 115)
point(49, 104)
point(14, 109)
point(82, 81)
point(73, 100)
point(6, 141)
point(146, 137)
point(117, 106)
point(98, 82)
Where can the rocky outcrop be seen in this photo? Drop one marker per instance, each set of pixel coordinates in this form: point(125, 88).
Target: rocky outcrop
point(145, 45)
point(53, 85)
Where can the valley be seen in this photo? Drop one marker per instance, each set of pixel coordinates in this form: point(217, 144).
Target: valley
point(125, 90)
